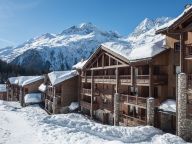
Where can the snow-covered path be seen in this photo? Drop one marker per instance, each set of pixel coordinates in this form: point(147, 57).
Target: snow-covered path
point(32, 125)
point(15, 129)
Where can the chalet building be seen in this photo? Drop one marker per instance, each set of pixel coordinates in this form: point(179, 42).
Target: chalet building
point(124, 87)
point(179, 40)
point(12, 89)
point(3, 92)
point(18, 87)
point(61, 91)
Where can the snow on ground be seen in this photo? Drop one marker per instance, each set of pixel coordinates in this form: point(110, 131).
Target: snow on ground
point(33, 126)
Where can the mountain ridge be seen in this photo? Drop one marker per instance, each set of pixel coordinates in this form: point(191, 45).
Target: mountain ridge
point(61, 51)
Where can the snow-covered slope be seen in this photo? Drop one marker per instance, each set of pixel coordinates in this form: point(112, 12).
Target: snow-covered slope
point(62, 51)
point(32, 125)
point(58, 51)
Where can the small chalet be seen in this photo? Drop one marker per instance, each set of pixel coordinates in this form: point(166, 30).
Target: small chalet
point(3, 92)
point(18, 87)
point(62, 90)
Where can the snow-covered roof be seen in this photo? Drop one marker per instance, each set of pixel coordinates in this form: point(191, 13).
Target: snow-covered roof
point(143, 51)
point(168, 106)
point(167, 25)
point(79, 65)
point(57, 77)
point(33, 98)
point(73, 106)
point(24, 80)
point(42, 87)
point(3, 88)
point(13, 80)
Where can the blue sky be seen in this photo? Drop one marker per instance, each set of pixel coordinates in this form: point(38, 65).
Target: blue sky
point(21, 20)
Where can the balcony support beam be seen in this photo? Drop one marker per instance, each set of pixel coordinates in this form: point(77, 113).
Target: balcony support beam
point(92, 93)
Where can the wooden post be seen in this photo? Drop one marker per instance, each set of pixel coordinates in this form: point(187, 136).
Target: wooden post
point(116, 100)
point(103, 60)
point(150, 81)
point(132, 75)
point(92, 92)
point(117, 79)
point(181, 53)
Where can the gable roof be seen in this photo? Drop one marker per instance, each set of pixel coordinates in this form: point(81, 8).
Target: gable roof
point(123, 51)
point(57, 77)
point(79, 65)
point(24, 80)
point(175, 22)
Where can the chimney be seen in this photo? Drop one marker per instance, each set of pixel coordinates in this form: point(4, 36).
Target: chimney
point(187, 6)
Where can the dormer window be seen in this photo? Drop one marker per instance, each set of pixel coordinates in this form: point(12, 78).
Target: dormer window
point(176, 46)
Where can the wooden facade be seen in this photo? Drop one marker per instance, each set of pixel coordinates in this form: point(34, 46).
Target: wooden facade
point(3, 92)
point(179, 41)
point(58, 97)
point(16, 92)
point(106, 73)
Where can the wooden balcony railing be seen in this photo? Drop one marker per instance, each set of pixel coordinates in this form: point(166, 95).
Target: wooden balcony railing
point(135, 100)
point(142, 79)
point(87, 105)
point(86, 91)
point(105, 79)
point(132, 121)
point(125, 79)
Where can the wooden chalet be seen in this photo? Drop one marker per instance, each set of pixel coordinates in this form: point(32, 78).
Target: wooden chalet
point(3, 92)
point(108, 72)
point(18, 87)
point(179, 41)
point(61, 91)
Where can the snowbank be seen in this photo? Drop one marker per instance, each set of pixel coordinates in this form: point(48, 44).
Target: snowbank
point(33, 98)
point(3, 88)
point(168, 106)
point(73, 106)
point(60, 76)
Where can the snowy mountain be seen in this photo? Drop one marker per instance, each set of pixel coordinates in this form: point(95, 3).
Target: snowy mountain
point(61, 51)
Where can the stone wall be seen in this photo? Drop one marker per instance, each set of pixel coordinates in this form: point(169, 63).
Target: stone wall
point(184, 125)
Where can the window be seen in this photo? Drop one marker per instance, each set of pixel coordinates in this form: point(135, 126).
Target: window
point(155, 92)
point(177, 69)
point(176, 46)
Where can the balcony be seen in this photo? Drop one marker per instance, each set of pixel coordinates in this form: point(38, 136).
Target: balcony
point(125, 79)
point(132, 121)
point(105, 79)
point(134, 100)
point(86, 92)
point(142, 79)
point(87, 105)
